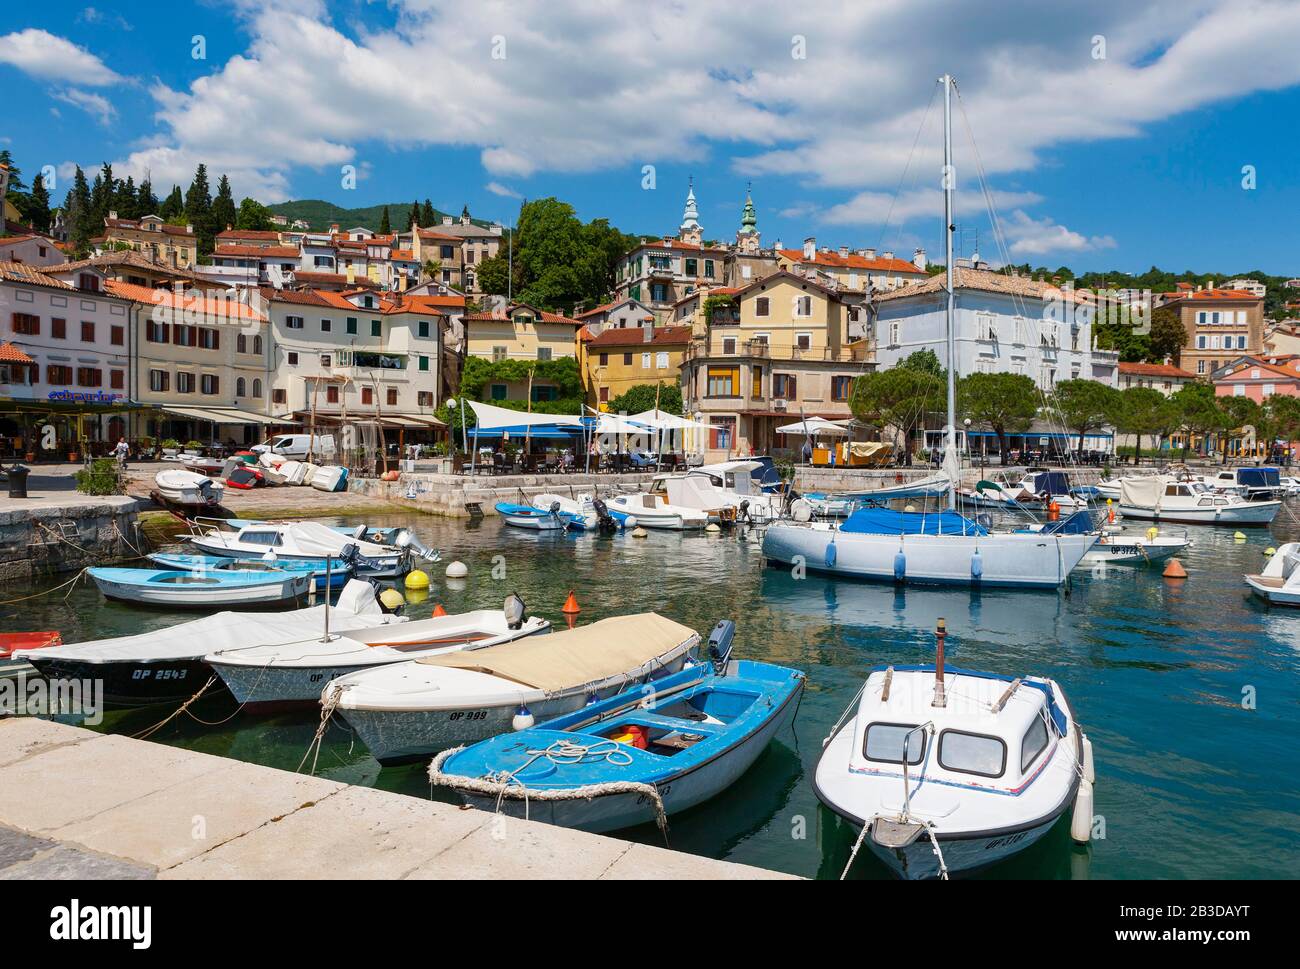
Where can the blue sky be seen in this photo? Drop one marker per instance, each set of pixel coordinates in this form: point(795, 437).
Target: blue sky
point(1123, 160)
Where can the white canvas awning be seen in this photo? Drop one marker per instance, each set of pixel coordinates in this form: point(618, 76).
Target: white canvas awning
point(814, 426)
point(227, 415)
point(661, 420)
point(617, 424)
point(491, 417)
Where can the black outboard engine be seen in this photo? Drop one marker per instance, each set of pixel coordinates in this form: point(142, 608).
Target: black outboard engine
point(555, 508)
point(742, 514)
point(605, 523)
point(720, 640)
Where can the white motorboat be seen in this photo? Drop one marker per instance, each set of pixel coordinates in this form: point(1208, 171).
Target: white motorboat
point(201, 464)
point(293, 672)
point(1168, 499)
point(584, 513)
point(1129, 548)
point(166, 665)
point(405, 711)
point(1279, 582)
point(311, 541)
point(727, 492)
point(946, 771)
point(652, 510)
point(180, 486)
point(1254, 484)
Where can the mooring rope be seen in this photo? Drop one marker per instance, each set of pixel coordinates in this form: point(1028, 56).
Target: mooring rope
point(327, 707)
point(150, 731)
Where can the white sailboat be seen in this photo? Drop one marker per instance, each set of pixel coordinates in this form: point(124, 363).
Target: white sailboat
point(929, 547)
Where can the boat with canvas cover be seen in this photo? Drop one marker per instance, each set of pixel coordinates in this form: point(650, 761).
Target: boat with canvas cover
point(334, 578)
point(406, 711)
point(651, 510)
point(183, 589)
point(187, 489)
point(1279, 582)
point(1169, 499)
point(638, 756)
point(925, 547)
point(311, 541)
point(726, 492)
point(285, 673)
point(946, 771)
point(166, 665)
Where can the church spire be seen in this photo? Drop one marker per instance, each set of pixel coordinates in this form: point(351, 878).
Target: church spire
point(749, 218)
point(691, 214)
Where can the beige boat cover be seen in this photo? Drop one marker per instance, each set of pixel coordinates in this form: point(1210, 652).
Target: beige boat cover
point(1144, 492)
point(588, 654)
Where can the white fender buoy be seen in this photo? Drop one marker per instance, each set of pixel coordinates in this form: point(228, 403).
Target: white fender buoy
point(1089, 767)
point(457, 570)
point(1081, 823)
point(976, 565)
point(523, 718)
point(639, 532)
point(712, 528)
point(831, 555)
point(629, 522)
point(900, 566)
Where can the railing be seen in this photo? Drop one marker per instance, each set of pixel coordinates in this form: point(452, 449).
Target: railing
point(717, 349)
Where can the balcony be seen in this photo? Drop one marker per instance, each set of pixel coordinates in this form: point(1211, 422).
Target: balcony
point(718, 349)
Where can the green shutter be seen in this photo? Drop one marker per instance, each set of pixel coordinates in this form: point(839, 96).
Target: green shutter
point(424, 363)
point(352, 325)
point(376, 327)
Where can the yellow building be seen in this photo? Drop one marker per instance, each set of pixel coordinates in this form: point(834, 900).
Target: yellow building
point(780, 349)
point(619, 359)
point(172, 245)
point(520, 332)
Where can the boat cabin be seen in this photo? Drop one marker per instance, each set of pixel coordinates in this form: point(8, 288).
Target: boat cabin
point(994, 732)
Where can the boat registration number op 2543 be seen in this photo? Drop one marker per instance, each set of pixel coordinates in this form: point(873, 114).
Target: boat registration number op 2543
point(159, 674)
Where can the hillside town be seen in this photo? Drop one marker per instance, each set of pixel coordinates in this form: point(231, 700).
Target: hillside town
point(145, 336)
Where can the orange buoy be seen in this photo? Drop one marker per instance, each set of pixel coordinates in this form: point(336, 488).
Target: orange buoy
point(1174, 570)
point(438, 610)
point(571, 605)
point(1053, 511)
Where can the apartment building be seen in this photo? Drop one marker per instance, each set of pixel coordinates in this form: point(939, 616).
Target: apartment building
point(175, 246)
point(856, 271)
point(1221, 324)
point(778, 349)
point(64, 361)
point(620, 314)
point(521, 332)
point(619, 359)
point(32, 250)
point(1164, 377)
point(1003, 324)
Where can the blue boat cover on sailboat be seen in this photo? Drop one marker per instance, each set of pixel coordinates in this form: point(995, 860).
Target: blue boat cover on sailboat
point(886, 521)
point(1080, 523)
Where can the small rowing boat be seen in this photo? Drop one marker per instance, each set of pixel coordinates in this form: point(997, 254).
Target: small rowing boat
point(179, 589)
point(637, 756)
point(536, 519)
point(334, 578)
point(187, 489)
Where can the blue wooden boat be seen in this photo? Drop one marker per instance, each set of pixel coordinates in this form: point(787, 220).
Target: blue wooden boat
point(202, 590)
point(336, 578)
point(635, 757)
point(538, 519)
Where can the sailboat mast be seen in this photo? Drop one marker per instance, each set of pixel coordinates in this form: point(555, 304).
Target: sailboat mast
point(950, 456)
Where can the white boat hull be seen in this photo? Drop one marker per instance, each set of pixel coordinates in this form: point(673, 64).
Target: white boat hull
point(1129, 550)
point(290, 588)
point(1020, 560)
point(1243, 513)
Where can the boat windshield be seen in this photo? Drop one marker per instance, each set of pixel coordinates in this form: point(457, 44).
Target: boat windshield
point(884, 742)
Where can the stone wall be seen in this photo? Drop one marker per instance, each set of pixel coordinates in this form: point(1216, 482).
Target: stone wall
point(47, 537)
point(450, 495)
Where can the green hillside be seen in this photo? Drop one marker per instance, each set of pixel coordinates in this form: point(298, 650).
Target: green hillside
point(320, 215)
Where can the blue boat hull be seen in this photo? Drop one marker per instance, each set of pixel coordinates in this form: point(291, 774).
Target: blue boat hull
point(337, 578)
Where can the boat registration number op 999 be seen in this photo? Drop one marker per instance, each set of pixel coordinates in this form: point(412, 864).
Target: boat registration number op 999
point(467, 715)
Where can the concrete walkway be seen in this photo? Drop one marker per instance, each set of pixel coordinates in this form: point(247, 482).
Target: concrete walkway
point(79, 804)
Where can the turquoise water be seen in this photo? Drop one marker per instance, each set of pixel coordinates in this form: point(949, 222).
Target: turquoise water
point(1191, 784)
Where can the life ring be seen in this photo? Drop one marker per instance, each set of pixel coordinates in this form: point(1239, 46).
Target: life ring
point(898, 477)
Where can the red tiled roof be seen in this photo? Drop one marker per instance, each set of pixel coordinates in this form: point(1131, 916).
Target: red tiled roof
point(1155, 370)
point(17, 272)
point(12, 354)
point(261, 252)
point(1220, 294)
point(213, 305)
point(137, 225)
point(546, 317)
point(250, 235)
point(852, 261)
point(1242, 372)
point(338, 279)
point(635, 336)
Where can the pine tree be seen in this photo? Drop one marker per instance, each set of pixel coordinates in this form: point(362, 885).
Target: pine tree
point(198, 209)
point(15, 173)
point(427, 216)
point(413, 219)
point(38, 207)
point(146, 202)
point(124, 200)
point(174, 207)
point(384, 227)
point(81, 217)
point(223, 206)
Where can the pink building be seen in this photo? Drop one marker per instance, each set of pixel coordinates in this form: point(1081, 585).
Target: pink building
point(1259, 379)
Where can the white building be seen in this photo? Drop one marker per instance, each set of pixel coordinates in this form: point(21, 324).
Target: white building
point(1003, 324)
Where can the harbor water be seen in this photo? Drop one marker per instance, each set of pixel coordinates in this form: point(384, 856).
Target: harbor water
point(1188, 689)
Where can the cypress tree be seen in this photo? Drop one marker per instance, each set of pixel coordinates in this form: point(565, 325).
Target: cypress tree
point(385, 227)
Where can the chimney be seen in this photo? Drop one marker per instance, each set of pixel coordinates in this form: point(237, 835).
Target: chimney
point(887, 255)
point(112, 214)
point(352, 274)
point(919, 260)
point(446, 220)
point(844, 252)
point(648, 333)
point(189, 228)
point(777, 245)
point(810, 248)
point(401, 282)
point(869, 253)
point(334, 228)
point(229, 226)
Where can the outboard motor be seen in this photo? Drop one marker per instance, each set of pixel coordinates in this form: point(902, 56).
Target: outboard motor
point(555, 508)
point(742, 514)
point(605, 522)
point(408, 542)
point(720, 640)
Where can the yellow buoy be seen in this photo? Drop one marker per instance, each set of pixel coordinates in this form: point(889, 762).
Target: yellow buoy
point(1152, 532)
point(1270, 550)
point(911, 509)
point(391, 599)
point(1239, 536)
point(416, 579)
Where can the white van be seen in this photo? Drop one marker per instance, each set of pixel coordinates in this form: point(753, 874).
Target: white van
point(296, 446)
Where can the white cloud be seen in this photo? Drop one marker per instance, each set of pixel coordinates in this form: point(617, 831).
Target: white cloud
point(1028, 236)
point(591, 85)
point(505, 191)
point(50, 58)
point(93, 104)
